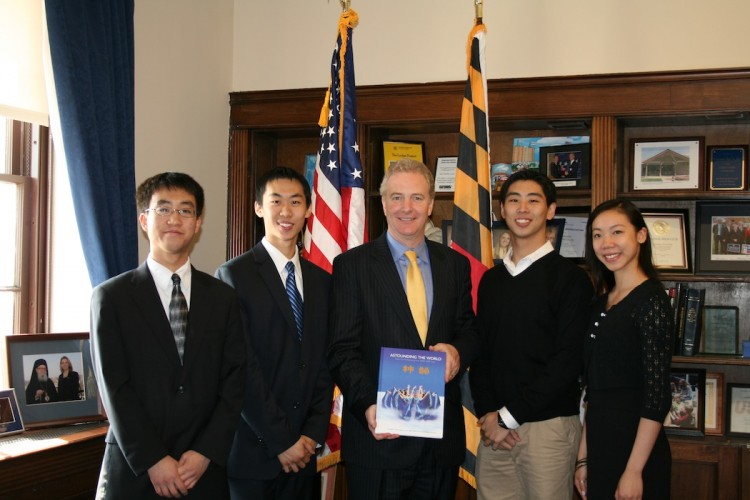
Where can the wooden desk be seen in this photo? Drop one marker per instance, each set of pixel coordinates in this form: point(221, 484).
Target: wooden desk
point(60, 463)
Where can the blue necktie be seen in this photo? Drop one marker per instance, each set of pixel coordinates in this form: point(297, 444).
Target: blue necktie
point(295, 299)
point(178, 315)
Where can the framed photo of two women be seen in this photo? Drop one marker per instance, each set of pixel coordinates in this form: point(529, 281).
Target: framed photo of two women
point(53, 378)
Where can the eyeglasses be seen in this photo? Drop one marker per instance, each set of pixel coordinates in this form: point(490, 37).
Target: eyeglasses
point(186, 213)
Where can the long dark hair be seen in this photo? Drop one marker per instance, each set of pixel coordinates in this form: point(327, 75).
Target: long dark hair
point(603, 278)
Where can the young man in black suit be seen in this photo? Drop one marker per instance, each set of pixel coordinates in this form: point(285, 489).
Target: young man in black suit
point(172, 388)
point(370, 310)
point(287, 406)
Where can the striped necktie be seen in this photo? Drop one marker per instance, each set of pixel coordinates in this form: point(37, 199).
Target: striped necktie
point(295, 299)
point(178, 315)
point(416, 295)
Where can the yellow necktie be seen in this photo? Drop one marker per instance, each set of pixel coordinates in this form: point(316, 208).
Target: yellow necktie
point(415, 294)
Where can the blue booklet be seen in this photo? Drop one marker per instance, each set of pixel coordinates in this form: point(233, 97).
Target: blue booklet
point(411, 393)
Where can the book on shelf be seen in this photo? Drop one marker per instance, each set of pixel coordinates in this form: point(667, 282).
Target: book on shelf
point(691, 333)
point(687, 303)
point(411, 393)
point(677, 298)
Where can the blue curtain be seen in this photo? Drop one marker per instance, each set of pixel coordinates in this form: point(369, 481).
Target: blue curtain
point(91, 44)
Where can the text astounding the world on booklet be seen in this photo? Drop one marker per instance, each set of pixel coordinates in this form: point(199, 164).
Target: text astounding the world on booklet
point(411, 391)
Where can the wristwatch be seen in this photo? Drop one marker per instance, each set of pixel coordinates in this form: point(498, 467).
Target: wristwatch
point(500, 421)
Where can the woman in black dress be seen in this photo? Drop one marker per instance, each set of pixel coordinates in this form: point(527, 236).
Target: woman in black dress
point(624, 452)
point(68, 383)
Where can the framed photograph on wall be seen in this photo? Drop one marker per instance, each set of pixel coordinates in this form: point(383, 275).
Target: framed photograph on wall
point(670, 241)
point(666, 163)
point(727, 168)
point(54, 378)
point(393, 151)
point(11, 421)
point(500, 241)
point(738, 410)
point(568, 166)
point(573, 244)
point(686, 415)
point(722, 237)
point(720, 330)
point(714, 421)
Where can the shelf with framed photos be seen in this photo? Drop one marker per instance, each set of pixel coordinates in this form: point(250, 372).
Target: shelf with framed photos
point(663, 165)
point(278, 127)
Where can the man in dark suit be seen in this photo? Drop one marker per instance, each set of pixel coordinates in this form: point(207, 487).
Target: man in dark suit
point(172, 387)
point(288, 405)
point(370, 310)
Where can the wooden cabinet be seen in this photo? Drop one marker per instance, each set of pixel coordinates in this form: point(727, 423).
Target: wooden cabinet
point(269, 128)
point(64, 467)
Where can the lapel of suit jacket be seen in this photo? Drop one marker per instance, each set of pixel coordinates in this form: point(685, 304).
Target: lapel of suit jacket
point(148, 301)
point(200, 313)
point(311, 302)
point(439, 270)
point(270, 276)
point(385, 272)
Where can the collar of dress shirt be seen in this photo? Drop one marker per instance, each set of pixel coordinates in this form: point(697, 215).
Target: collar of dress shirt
point(397, 250)
point(280, 260)
point(163, 277)
point(525, 263)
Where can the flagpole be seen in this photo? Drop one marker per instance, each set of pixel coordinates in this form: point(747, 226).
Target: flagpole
point(478, 11)
point(345, 4)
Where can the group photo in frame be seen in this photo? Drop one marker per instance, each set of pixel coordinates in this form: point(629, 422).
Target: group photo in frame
point(738, 410)
point(686, 414)
point(670, 239)
point(726, 168)
point(666, 163)
point(54, 378)
point(568, 166)
point(722, 237)
point(11, 421)
point(714, 421)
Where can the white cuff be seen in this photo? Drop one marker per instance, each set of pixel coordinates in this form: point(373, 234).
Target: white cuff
point(508, 418)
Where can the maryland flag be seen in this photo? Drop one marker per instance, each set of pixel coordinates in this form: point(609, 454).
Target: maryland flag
point(472, 211)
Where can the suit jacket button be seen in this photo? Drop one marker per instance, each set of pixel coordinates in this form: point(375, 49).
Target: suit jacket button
point(181, 390)
point(296, 405)
point(302, 366)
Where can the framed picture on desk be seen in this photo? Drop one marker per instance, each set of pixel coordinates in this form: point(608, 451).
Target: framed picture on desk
point(54, 378)
point(10, 416)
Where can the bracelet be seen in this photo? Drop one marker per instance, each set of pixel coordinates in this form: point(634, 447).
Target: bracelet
point(581, 462)
point(580, 466)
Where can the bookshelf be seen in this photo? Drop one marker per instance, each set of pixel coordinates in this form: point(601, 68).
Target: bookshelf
point(269, 128)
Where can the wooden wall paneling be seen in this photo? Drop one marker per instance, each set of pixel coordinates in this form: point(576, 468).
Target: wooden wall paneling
point(704, 470)
point(603, 159)
point(239, 223)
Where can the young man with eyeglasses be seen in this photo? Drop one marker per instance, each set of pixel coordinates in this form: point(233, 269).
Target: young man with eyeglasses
point(169, 356)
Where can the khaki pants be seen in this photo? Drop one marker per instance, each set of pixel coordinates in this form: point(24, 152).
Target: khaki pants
point(540, 467)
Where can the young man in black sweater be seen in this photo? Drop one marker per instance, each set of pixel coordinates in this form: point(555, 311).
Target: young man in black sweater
point(532, 313)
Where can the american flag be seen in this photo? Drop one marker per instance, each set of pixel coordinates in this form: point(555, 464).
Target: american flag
point(472, 209)
point(337, 222)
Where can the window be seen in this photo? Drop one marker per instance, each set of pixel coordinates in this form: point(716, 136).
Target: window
point(23, 165)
